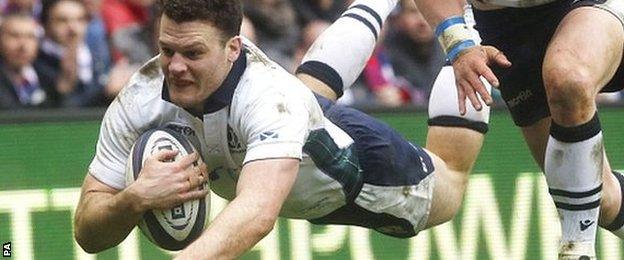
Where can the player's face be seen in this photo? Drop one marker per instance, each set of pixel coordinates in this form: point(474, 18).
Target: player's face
point(195, 60)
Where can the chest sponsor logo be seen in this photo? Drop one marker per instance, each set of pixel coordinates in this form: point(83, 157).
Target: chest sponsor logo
point(182, 129)
point(187, 132)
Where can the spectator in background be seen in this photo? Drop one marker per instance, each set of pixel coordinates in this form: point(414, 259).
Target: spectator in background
point(275, 28)
point(309, 33)
point(97, 40)
point(64, 52)
point(248, 30)
point(312, 10)
point(413, 51)
point(30, 7)
point(115, 74)
point(22, 84)
point(387, 88)
point(130, 27)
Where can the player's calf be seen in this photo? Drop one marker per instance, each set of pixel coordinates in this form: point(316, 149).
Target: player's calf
point(455, 138)
point(455, 141)
point(616, 226)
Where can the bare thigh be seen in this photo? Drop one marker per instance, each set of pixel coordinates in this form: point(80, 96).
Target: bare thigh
point(448, 192)
point(585, 53)
point(589, 37)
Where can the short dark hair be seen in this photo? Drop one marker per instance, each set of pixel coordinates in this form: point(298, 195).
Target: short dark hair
point(48, 5)
point(226, 15)
point(16, 16)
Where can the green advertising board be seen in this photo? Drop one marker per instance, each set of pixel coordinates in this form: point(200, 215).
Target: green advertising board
point(507, 212)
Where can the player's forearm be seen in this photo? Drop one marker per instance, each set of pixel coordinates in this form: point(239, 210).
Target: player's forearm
point(103, 220)
point(235, 230)
point(436, 11)
point(262, 188)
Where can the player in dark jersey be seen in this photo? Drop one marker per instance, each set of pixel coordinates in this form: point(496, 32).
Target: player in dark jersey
point(550, 59)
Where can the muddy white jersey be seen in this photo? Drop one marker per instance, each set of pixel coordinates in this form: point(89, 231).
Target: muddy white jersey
point(259, 112)
point(470, 22)
point(513, 3)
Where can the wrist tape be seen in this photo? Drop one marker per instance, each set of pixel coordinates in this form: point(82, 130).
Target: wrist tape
point(454, 36)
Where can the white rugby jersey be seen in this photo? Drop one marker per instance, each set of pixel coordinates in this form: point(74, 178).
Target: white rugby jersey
point(514, 3)
point(470, 22)
point(260, 111)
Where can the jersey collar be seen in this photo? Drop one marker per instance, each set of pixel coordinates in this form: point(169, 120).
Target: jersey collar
point(222, 97)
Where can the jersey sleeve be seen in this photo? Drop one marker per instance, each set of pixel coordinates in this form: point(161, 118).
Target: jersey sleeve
point(275, 126)
point(117, 135)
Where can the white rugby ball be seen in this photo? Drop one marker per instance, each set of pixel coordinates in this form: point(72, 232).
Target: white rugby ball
point(175, 228)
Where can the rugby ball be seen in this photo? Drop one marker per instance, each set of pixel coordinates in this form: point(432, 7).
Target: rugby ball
point(175, 228)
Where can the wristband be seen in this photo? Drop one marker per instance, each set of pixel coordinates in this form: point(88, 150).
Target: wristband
point(454, 36)
point(457, 49)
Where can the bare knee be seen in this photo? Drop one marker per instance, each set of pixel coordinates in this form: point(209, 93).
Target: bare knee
point(571, 89)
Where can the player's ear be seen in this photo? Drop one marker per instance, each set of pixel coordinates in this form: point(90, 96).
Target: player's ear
point(233, 48)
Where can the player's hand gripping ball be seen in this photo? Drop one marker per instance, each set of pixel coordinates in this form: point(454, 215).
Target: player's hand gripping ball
point(175, 228)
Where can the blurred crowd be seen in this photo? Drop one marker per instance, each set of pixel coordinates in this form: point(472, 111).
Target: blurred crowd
point(80, 53)
point(71, 53)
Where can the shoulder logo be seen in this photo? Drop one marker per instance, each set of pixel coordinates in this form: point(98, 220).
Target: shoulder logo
point(268, 135)
point(585, 224)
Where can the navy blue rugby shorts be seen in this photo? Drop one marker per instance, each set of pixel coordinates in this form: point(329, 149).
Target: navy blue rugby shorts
point(386, 160)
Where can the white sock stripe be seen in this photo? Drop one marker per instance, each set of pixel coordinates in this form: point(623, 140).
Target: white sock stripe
point(575, 194)
point(368, 13)
point(577, 201)
point(381, 7)
point(363, 21)
point(349, 42)
point(578, 207)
